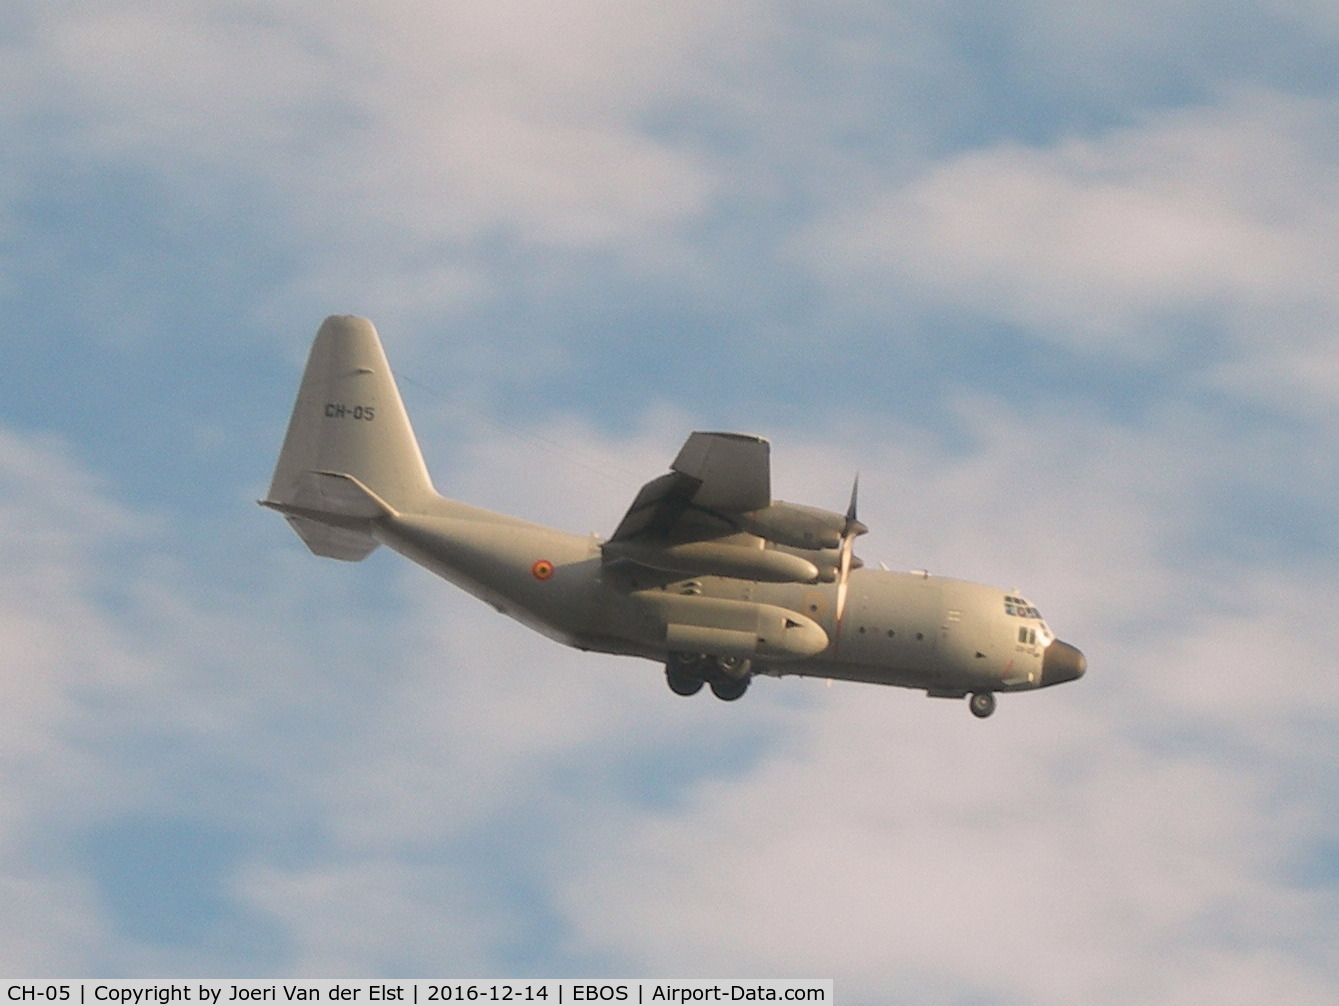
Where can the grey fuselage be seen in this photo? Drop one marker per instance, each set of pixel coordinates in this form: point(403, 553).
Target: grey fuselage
point(949, 637)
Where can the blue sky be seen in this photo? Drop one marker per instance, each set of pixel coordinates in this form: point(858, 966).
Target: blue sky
point(1057, 279)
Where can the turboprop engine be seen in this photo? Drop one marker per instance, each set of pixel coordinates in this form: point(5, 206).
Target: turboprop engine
point(723, 557)
point(798, 526)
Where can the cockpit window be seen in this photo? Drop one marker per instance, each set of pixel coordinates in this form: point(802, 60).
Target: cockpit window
point(1018, 607)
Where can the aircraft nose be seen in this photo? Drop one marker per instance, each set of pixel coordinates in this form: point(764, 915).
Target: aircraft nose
point(1061, 663)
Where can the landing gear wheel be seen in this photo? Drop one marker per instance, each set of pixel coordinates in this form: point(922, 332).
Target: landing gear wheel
point(982, 704)
point(729, 689)
point(684, 673)
point(682, 682)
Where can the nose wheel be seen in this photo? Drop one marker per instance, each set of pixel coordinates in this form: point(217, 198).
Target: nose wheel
point(982, 704)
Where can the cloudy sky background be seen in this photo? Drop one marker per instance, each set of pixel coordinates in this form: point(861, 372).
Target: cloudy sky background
point(1057, 279)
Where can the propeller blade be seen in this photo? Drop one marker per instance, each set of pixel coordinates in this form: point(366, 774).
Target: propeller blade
point(850, 509)
point(853, 528)
point(843, 573)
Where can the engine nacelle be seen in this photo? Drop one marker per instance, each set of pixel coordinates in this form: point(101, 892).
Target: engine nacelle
point(797, 526)
point(717, 558)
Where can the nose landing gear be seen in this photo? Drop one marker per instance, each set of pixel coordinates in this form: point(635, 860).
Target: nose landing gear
point(982, 704)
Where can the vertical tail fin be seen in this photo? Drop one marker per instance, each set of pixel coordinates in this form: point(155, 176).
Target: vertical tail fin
point(350, 452)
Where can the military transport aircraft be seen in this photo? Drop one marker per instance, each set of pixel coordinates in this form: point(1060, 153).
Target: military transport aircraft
point(706, 574)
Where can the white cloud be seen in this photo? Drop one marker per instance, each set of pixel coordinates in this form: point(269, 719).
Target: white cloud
point(394, 141)
point(137, 693)
point(56, 642)
point(55, 636)
point(1113, 244)
point(417, 161)
point(1047, 861)
point(374, 916)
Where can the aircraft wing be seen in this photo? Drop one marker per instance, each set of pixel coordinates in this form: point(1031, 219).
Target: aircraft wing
point(715, 478)
point(713, 515)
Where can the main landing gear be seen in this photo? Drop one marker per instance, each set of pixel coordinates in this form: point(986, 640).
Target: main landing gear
point(728, 677)
point(682, 680)
point(982, 704)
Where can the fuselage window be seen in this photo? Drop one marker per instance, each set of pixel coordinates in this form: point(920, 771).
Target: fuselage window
point(1027, 636)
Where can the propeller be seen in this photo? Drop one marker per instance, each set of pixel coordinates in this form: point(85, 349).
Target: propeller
point(852, 528)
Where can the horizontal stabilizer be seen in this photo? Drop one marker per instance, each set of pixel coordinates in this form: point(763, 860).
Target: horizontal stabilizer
point(330, 541)
point(337, 493)
point(332, 513)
